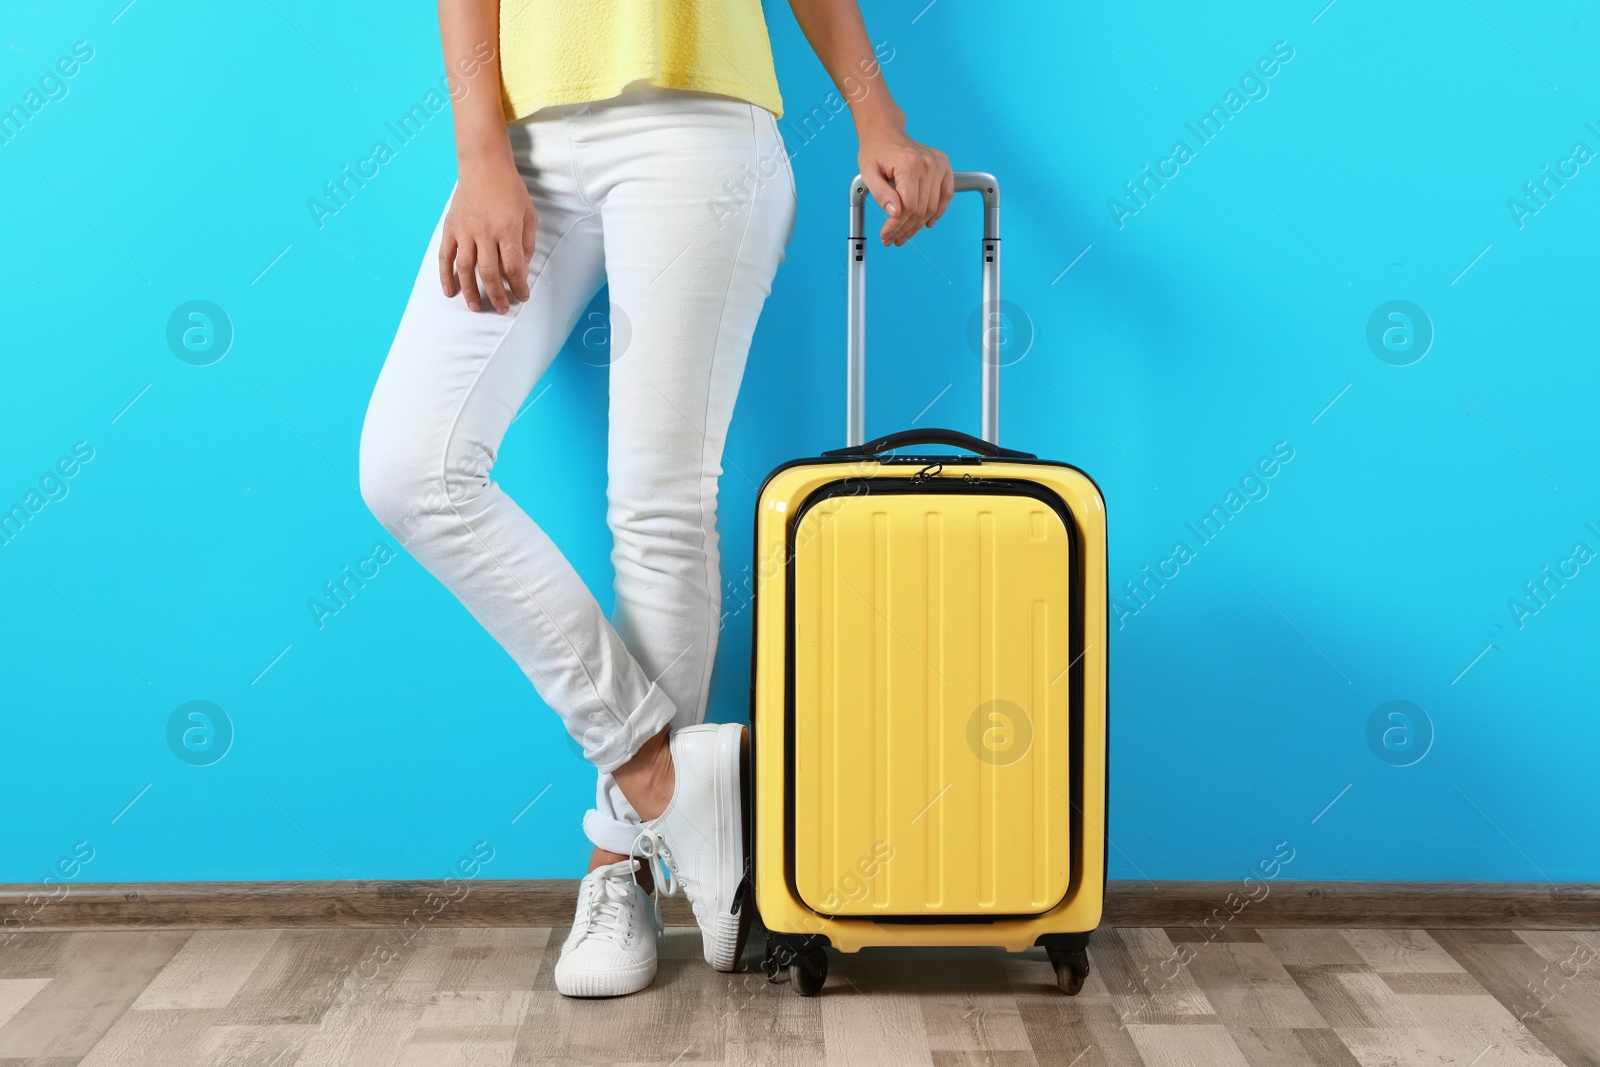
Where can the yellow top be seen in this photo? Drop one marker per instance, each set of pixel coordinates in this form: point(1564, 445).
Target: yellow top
point(580, 51)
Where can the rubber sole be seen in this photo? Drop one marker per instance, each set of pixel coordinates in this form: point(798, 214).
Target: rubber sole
point(745, 899)
point(606, 983)
point(724, 943)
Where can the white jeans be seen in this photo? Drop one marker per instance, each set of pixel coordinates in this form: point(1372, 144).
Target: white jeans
point(682, 202)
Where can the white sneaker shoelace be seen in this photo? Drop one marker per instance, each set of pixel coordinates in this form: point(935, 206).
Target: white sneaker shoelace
point(606, 914)
point(652, 847)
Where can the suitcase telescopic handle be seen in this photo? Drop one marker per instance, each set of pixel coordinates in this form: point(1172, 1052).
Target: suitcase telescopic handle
point(856, 290)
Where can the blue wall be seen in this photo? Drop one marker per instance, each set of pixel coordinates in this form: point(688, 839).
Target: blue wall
point(1177, 341)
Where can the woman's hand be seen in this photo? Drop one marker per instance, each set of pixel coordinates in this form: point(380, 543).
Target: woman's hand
point(488, 236)
point(911, 182)
point(489, 229)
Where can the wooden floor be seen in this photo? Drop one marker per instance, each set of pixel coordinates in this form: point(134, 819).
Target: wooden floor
point(480, 997)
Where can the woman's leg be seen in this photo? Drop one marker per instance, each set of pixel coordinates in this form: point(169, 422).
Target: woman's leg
point(453, 382)
point(698, 204)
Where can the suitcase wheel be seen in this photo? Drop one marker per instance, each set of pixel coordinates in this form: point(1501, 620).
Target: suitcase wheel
point(802, 956)
point(808, 972)
point(1072, 968)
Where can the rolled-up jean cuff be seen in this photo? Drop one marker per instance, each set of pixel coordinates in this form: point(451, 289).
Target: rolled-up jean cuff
point(609, 834)
point(618, 744)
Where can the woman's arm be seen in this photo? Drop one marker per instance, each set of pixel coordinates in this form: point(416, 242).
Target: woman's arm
point(910, 181)
point(489, 230)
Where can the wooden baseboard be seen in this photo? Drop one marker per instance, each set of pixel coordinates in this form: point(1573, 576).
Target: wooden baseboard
point(1440, 905)
point(1202, 905)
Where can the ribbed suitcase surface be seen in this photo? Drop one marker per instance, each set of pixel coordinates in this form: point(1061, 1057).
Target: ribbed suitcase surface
point(933, 636)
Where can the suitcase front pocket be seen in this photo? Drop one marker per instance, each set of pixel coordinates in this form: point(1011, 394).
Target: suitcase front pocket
point(932, 635)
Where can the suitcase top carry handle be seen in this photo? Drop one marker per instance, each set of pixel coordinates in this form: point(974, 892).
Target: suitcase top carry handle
point(856, 288)
point(930, 436)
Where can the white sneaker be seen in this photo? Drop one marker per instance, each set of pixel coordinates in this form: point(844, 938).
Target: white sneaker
point(612, 947)
point(701, 836)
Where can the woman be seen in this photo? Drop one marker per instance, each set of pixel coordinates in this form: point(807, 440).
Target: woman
point(635, 143)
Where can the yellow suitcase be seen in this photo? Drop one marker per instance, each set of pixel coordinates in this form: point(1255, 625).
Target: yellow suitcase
point(928, 707)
